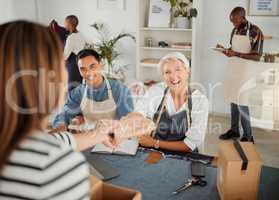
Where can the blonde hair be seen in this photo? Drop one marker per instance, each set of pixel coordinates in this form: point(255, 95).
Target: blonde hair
point(174, 56)
point(31, 56)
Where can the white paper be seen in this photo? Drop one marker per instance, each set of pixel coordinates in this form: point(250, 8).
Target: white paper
point(264, 7)
point(218, 49)
point(82, 127)
point(159, 14)
point(127, 147)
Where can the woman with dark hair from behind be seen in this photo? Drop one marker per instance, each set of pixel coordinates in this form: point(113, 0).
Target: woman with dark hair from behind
point(34, 164)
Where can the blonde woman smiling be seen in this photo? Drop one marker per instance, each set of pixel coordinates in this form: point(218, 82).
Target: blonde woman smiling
point(179, 113)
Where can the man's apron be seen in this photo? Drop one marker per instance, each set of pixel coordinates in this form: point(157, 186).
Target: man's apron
point(240, 75)
point(94, 111)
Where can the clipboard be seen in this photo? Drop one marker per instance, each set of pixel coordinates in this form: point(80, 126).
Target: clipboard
point(218, 49)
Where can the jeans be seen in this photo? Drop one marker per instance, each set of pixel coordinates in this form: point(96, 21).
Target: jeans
point(243, 112)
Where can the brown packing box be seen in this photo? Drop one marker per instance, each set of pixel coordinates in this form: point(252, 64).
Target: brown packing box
point(232, 182)
point(104, 191)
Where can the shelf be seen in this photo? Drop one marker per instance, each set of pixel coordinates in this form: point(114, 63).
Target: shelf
point(164, 29)
point(166, 49)
point(148, 65)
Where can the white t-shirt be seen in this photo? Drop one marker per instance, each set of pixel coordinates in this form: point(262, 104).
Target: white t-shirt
point(75, 43)
point(196, 133)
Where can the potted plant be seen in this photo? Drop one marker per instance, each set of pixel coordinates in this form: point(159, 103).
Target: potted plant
point(182, 15)
point(106, 46)
point(172, 8)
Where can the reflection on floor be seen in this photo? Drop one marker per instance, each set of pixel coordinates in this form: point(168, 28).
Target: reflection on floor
point(266, 141)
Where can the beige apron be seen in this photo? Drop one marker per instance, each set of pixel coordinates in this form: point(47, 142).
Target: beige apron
point(94, 111)
point(239, 77)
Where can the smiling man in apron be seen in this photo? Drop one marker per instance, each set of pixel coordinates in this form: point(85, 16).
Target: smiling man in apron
point(98, 98)
point(247, 43)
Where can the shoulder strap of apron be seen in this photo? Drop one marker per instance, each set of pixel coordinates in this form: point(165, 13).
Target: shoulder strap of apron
point(248, 29)
point(108, 87)
point(85, 92)
point(189, 110)
point(248, 32)
point(160, 110)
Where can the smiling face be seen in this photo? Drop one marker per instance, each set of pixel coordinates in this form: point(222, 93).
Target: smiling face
point(175, 75)
point(90, 70)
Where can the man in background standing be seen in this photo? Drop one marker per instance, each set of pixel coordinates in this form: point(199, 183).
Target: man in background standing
point(247, 43)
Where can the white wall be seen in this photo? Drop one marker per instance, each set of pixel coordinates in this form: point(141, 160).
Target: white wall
point(217, 29)
point(88, 13)
point(17, 9)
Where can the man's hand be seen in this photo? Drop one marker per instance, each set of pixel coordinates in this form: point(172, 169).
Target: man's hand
point(220, 46)
point(147, 141)
point(230, 53)
point(60, 128)
point(105, 133)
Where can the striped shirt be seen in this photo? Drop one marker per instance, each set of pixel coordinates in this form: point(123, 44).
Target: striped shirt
point(43, 167)
point(67, 138)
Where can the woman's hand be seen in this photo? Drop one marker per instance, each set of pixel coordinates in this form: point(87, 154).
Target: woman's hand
point(147, 141)
point(134, 115)
point(78, 120)
point(59, 128)
point(105, 130)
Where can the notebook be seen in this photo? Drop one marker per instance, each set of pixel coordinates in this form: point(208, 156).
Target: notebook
point(218, 49)
point(127, 147)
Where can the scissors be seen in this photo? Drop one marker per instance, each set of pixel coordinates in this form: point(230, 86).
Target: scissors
point(189, 183)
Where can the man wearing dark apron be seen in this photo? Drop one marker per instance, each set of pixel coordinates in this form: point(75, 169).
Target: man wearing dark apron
point(74, 44)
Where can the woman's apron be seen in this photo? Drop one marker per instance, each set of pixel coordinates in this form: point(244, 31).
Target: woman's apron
point(94, 110)
point(172, 127)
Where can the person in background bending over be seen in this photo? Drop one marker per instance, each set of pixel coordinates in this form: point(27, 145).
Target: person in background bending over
point(59, 30)
point(74, 44)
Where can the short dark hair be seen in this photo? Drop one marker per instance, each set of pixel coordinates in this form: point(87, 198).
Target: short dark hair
point(73, 20)
point(238, 11)
point(89, 52)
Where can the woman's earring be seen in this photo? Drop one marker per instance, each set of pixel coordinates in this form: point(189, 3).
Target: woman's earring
point(83, 81)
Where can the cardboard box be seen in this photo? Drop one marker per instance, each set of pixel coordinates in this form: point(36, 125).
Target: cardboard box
point(104, 191)
point(233, 183)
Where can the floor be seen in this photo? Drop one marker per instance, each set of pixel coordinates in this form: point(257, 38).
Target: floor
point(266, 141)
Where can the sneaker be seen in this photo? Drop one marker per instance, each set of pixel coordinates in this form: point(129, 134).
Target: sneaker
point(230, 134)
point(246, 139)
